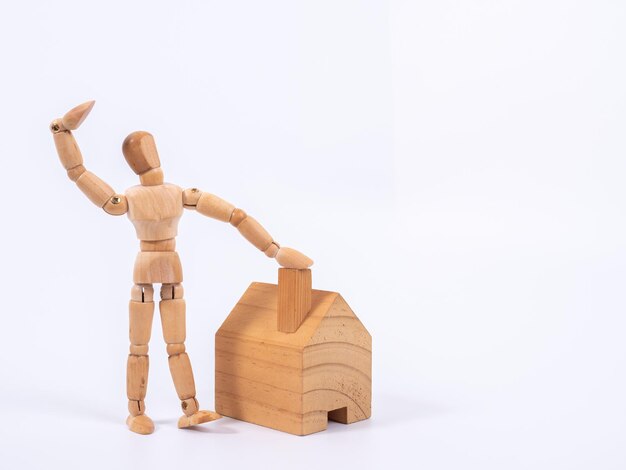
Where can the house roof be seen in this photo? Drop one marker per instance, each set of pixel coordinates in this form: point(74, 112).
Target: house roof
point(254, 316)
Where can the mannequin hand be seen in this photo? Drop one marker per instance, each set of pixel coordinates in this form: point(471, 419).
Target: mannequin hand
point(73, 118)
point(290, 258)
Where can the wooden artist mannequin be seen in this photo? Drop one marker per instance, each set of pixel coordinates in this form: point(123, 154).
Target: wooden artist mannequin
point(154, 208)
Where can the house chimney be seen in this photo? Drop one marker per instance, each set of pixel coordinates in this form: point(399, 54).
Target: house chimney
point(294, 298)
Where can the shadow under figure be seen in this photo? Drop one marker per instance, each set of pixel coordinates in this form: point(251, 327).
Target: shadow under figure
point(154, 208)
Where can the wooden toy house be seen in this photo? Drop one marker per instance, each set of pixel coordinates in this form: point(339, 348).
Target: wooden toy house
point(291, 358)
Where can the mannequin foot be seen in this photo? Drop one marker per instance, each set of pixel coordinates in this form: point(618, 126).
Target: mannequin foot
point(198, 417)
point(140, 424)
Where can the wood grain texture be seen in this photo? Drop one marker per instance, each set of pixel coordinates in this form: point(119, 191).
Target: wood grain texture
point(94, 188)
point(142, 293)
point(199, 417)
point(140, 152)
point(140, 322)
point(191, 197)
point(157, 245)
point(74, 173)
point(136, 377)
point(254, 232)
point(173, 320)
point(75, 116)
point(157, 267)
point(294, 298)
point(155, 210)
point(212, 206)
point(140, 424)
point(172, 291)
point(292, 259)
point(293, 382)
point(116, 205)
point(152, 177)
point(68, 150)
point(182, 375)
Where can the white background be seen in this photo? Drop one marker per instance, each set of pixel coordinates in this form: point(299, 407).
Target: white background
point(455, 168)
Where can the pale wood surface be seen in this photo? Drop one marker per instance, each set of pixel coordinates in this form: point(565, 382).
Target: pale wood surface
point(139, 349)
point(152, 177)
point(272, 250)
point(140, 424)
point(155, 210)
point(94, 188)
point(190, 406)
point(136, 377)
point(157, 245)
point(140, 321)
point(191, 197)
point(173, 320)
point(75, 116)
point(212, 206)
point(142, 293)
point(254, 232)
point(116, 205)
point(172, 291)
point(294, 298)
point(68, 150)
point(291, 382)
point(74, 173)
point(175, 348)
point(136, 407)
point(199, 417)
point(182, 375)
point(157, 267)
point(140, 152)
point(290, 258)
point(237, 217)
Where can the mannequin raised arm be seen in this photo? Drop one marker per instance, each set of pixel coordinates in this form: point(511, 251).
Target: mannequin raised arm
point(98, 192)
point(212, 206)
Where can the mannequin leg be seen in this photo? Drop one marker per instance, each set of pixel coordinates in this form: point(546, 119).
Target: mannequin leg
point(141, 311)
point(173, 310)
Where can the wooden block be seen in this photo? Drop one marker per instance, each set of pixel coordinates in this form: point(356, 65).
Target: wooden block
point(214, 207)
point(294, 298)
point(293, 382)
point(173, 320)
point(254, 232)
point(94, 188)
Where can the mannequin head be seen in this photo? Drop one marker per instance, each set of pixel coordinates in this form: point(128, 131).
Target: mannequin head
point(141, 155)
